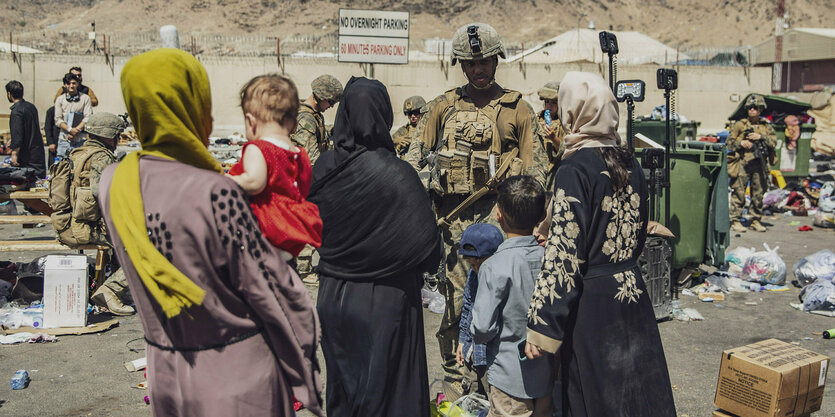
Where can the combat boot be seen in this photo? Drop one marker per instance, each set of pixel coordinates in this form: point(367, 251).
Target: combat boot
point(757, 226)
point(738, 227)
point(105, 297)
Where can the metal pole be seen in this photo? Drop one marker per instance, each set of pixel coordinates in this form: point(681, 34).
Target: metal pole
point(667, 181)
point(611, 72)
point(630, 107)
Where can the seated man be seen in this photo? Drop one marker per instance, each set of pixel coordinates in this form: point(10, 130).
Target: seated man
point(82, 223)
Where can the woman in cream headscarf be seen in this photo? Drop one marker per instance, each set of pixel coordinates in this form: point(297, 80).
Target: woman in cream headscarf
point(590, 306)
point(231, 330)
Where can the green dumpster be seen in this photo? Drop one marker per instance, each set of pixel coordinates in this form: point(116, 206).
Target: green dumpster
point(699, 215)
point(794, 163)
point(654, 129)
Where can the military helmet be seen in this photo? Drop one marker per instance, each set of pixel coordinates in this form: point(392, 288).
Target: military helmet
point(476, 41)
point(549, 91)
point(327, 87)
point(413, 103)
point(756, 100)
point(105, 125)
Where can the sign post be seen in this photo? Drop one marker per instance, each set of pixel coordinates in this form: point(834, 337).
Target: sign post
point(373, 37)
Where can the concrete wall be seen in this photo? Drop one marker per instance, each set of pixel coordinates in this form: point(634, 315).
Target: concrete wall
point(704, 92)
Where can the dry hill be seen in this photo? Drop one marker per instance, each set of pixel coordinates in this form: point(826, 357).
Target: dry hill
point(689, 24)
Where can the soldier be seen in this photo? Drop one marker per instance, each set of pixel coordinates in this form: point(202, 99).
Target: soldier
point(550, 135)
point(91, 158)
point(472, 137)
point(403, 136)
point(314, 137)
point(311, 133)
point(744, 166)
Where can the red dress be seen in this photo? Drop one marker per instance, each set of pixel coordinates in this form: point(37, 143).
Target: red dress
point(287, 219)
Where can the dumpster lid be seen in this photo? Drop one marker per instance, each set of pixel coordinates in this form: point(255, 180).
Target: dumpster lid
point(773, 103)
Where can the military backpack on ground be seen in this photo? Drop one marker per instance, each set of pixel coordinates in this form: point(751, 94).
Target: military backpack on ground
point(76, 216)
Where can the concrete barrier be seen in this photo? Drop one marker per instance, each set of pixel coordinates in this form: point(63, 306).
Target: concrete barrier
point(704, 92)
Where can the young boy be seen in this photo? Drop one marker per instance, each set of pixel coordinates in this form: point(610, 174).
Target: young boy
point(506, 281)
point(478, 242)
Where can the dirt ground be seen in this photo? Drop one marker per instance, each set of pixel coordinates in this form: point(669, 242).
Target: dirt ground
point(85, 376)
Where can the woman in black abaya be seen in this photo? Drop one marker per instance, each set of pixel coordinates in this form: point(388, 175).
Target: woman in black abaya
point(379, 238)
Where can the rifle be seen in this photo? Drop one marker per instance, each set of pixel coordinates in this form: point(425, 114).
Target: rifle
point(761, 152)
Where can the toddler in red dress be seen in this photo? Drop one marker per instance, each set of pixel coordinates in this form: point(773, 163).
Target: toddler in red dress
point(275, 173)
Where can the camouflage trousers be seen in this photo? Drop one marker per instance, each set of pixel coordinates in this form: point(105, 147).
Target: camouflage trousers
point(750, 172)
point(458, 380)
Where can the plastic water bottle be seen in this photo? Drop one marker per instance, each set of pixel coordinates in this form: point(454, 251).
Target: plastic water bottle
point(33, 317)
point(20, 380)
point(547, 117)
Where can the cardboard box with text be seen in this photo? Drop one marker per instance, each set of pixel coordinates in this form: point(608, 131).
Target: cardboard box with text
point(771, 378)
point(65, 288)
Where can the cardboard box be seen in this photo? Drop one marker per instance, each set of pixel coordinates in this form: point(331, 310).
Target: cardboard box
point(65, 288)
point(771, 378)
point(722, 413)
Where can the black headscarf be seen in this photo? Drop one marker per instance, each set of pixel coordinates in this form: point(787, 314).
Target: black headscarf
point(378, 219)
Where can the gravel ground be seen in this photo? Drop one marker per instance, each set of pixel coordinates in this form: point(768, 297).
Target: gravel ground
point(85, 376)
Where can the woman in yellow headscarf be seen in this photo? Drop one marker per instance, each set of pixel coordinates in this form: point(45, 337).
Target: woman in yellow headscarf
point(216, 302)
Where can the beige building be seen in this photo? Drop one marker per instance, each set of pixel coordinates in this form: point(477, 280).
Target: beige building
point(806, 60)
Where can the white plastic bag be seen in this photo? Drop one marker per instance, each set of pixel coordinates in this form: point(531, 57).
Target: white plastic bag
point(826, 202)
point(765, 267)
point(819, 295)
point(739, 255)
point(819, 265)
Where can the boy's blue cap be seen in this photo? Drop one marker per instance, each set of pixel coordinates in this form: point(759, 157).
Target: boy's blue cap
point(480, 240)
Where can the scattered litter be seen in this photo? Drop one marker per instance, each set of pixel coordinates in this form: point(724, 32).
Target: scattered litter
point(739, 255)
point(147, 400)
point(819, 295)
point(433, 300)
point(20, 380)
point(136, 365)
point(794, 223)
point(819, 265)
point(808, 338)
point(824, 313)
point(805, 228)
point(717, 305)
point(828, 334)
point(750, 303)
point(765, 267)
point(796, 306)
point(706, 299)
point(712, 296)
point(437, 306)
point(772, 287)
point(688, 292)
point(693, 314)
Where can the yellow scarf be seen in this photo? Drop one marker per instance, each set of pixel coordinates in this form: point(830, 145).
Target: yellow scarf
point(168, 99)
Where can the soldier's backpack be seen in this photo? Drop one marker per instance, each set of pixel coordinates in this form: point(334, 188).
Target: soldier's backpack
point(75, 215)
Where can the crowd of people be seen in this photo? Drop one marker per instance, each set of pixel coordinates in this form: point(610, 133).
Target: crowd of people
point(532, 222)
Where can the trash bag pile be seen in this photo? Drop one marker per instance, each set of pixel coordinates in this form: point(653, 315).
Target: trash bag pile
point(816, 273)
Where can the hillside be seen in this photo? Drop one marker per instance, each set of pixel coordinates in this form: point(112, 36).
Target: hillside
point(58, 24)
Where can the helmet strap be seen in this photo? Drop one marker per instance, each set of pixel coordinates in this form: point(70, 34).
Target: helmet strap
point(487, 87)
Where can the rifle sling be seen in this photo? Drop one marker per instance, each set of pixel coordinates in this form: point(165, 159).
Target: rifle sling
point(507, 160)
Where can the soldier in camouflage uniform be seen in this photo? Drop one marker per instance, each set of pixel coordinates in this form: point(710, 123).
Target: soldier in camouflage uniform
point(403, 136)
point(103, 130)
point(743, 166)
point(550, 136)
point(312, 135)
point(469, 134)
